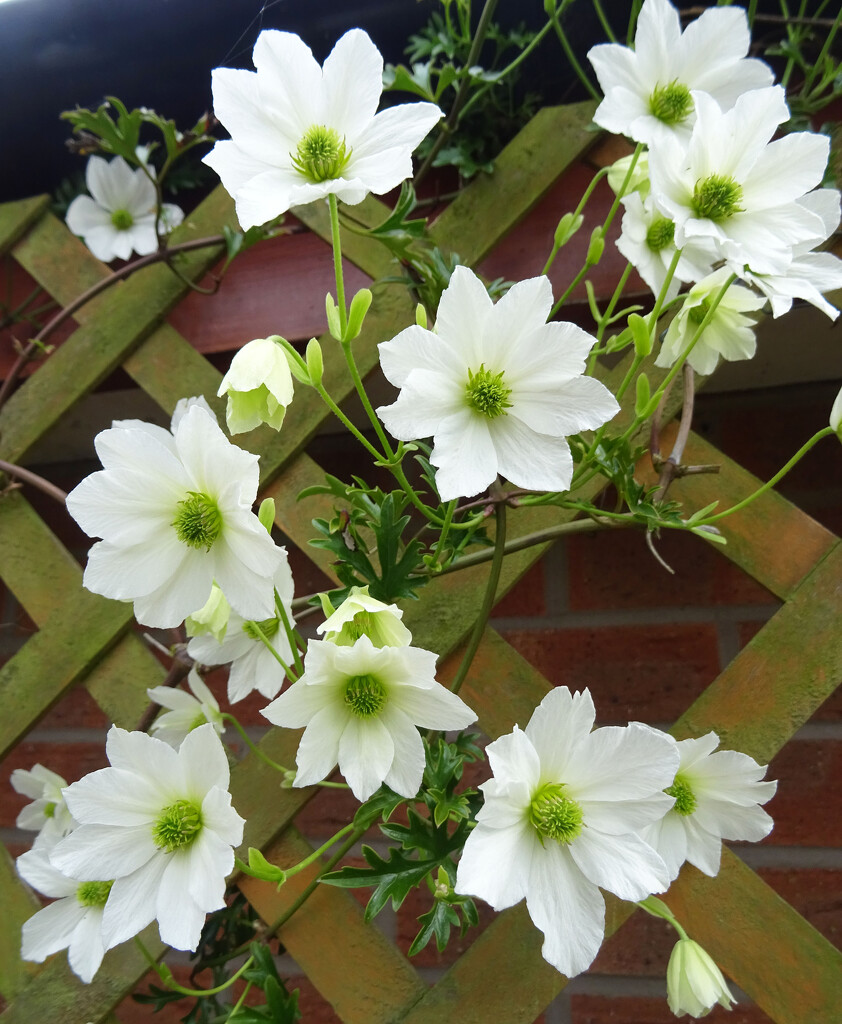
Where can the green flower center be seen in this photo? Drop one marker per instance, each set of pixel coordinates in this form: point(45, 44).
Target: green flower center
point(365, 696)
point(49, 810)
point(554, 815)
point(717, 197)
point(268, 627)
point(198, 521)
point(685, 799)
point(93, 894)
point(661, 233)
point(671, 103)
point(178, 826)
point(321, 155)
point(487, 393)
point(122, 220)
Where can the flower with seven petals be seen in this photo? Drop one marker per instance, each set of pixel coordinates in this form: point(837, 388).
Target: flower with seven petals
point(173, 509)
point(496, 386)
point(560, 821)
point(159, 822)
point(360, 706)
point(120, 218)
point(300, 132)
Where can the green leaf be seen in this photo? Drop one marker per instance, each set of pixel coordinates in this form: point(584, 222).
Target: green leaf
point(393, 879)
point(436, 922)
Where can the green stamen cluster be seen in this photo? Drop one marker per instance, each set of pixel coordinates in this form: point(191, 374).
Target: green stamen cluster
point(661, 233)
point(487, 393)
point(178, 826)
point(671, 103)
point(717, 197)
point(93, 894)
point(198, 521)
point(685, 799)
point(321, 155)
point(554, 815)
point(268, 627)
point(365, 696)
point(49, 810)
point(122, 220)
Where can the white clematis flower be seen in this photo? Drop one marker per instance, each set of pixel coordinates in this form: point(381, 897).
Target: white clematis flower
point(159, 822)
point(120, 218)
point(363, 615)
point(648, 89)
point(253, 666)
point(729, 333)
point(496, 386)
point(300, 132)
point(174, 511)
point(73, 922)
point(647, 241)
point(717, 796)
point(560, 821)
point(694, 983)
point(731, 184)
point(361, 706)
point(258, 385)
point(187, 711)
point(47, 814)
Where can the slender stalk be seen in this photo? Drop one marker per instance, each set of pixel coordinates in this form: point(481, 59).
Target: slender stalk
point(19, 473)
point(487, 601)
point(361, 391)
point(301, 865)
point(571, 57)
point(228, 717)
point(337, 263)
point(337, 412)
point(267, 643)
point(290, 632)
point(802, 451)
point(240, 1001)
point(461, 95)
point(91, 293)
point(606, 24)
point(808, 81)
point(166, 975)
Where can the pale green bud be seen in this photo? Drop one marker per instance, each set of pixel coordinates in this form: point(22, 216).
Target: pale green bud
point(315, 362)
point(596, 247)
point(641, 335)
point(258, 385)
point(639, 181)
point(694, 983)
point(266, 514)
point(836, 415)
point(356, 314)
point(567, 228)
point(421, 315)
point(333, 323)
point(211, 618)
point(643, 395)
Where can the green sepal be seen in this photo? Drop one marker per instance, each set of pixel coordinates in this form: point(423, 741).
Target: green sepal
point(356, 313)
point(596, 247)
point(259, 867)
point(266, 513)
point(315, 362)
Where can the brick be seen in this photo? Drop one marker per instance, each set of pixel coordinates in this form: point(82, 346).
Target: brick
point(649, 673)
point(807, 807)
point(593, 1009)
point(70, 760)
point(526, 598)
point(76, 710)
point(616, 570)
point(328, 811)
point(816, 893)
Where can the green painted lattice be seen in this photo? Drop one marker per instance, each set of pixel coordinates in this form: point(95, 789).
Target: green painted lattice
point(756, 704)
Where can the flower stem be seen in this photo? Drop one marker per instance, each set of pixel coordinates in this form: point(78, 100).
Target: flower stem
point(292, 636)
point(267, 643)
point(337, 412)
point(228, 717)
point(301, 865)
point(571, 56)
point(802, 451)
point(337, 263)
point(240, 1001)
point(361, 391)
point(487, 601)
point(166, 975)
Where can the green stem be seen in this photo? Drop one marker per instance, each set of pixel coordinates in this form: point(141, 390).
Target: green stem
point(808, 81)
point(361, 391)
point(307, 892)
point(609, 32)
point(448, 516)
point(291, 676)
point(240, 1001)
point(337, 263)
point(571, 56)
point(292, 638)
point(487, 601)
point(301, 865)
point(582, 203)
point(228, 717)
point(166, 975)
point(802, 451)
point(461, 95)
point(337, 412)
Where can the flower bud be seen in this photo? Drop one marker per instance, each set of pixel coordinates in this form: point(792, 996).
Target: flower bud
point(315, 362)
point(596, 247)
point(361, 615)
point(567, 228)
point(641, 335)
point(836, 415)
point(266, 514)
point(639, 181)
point(332, 311)
point(694, 982)
point(356, 313)
point(211, 618)
point(258, 385)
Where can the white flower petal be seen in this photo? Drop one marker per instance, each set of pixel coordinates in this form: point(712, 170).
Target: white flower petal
point(98, 852)
point(407, 768)
point(622, 864)
point(496, 863)
point(50, 929)
point(366, 750)
point(557, 728)
point(86, 949)
point(131, 903)
point(318, 751)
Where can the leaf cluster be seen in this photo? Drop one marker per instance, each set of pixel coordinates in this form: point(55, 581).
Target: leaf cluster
point(281, 1006)
point(389, 564)
point(436, 830)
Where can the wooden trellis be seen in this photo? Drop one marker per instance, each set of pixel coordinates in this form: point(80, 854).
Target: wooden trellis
point(756, 705)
